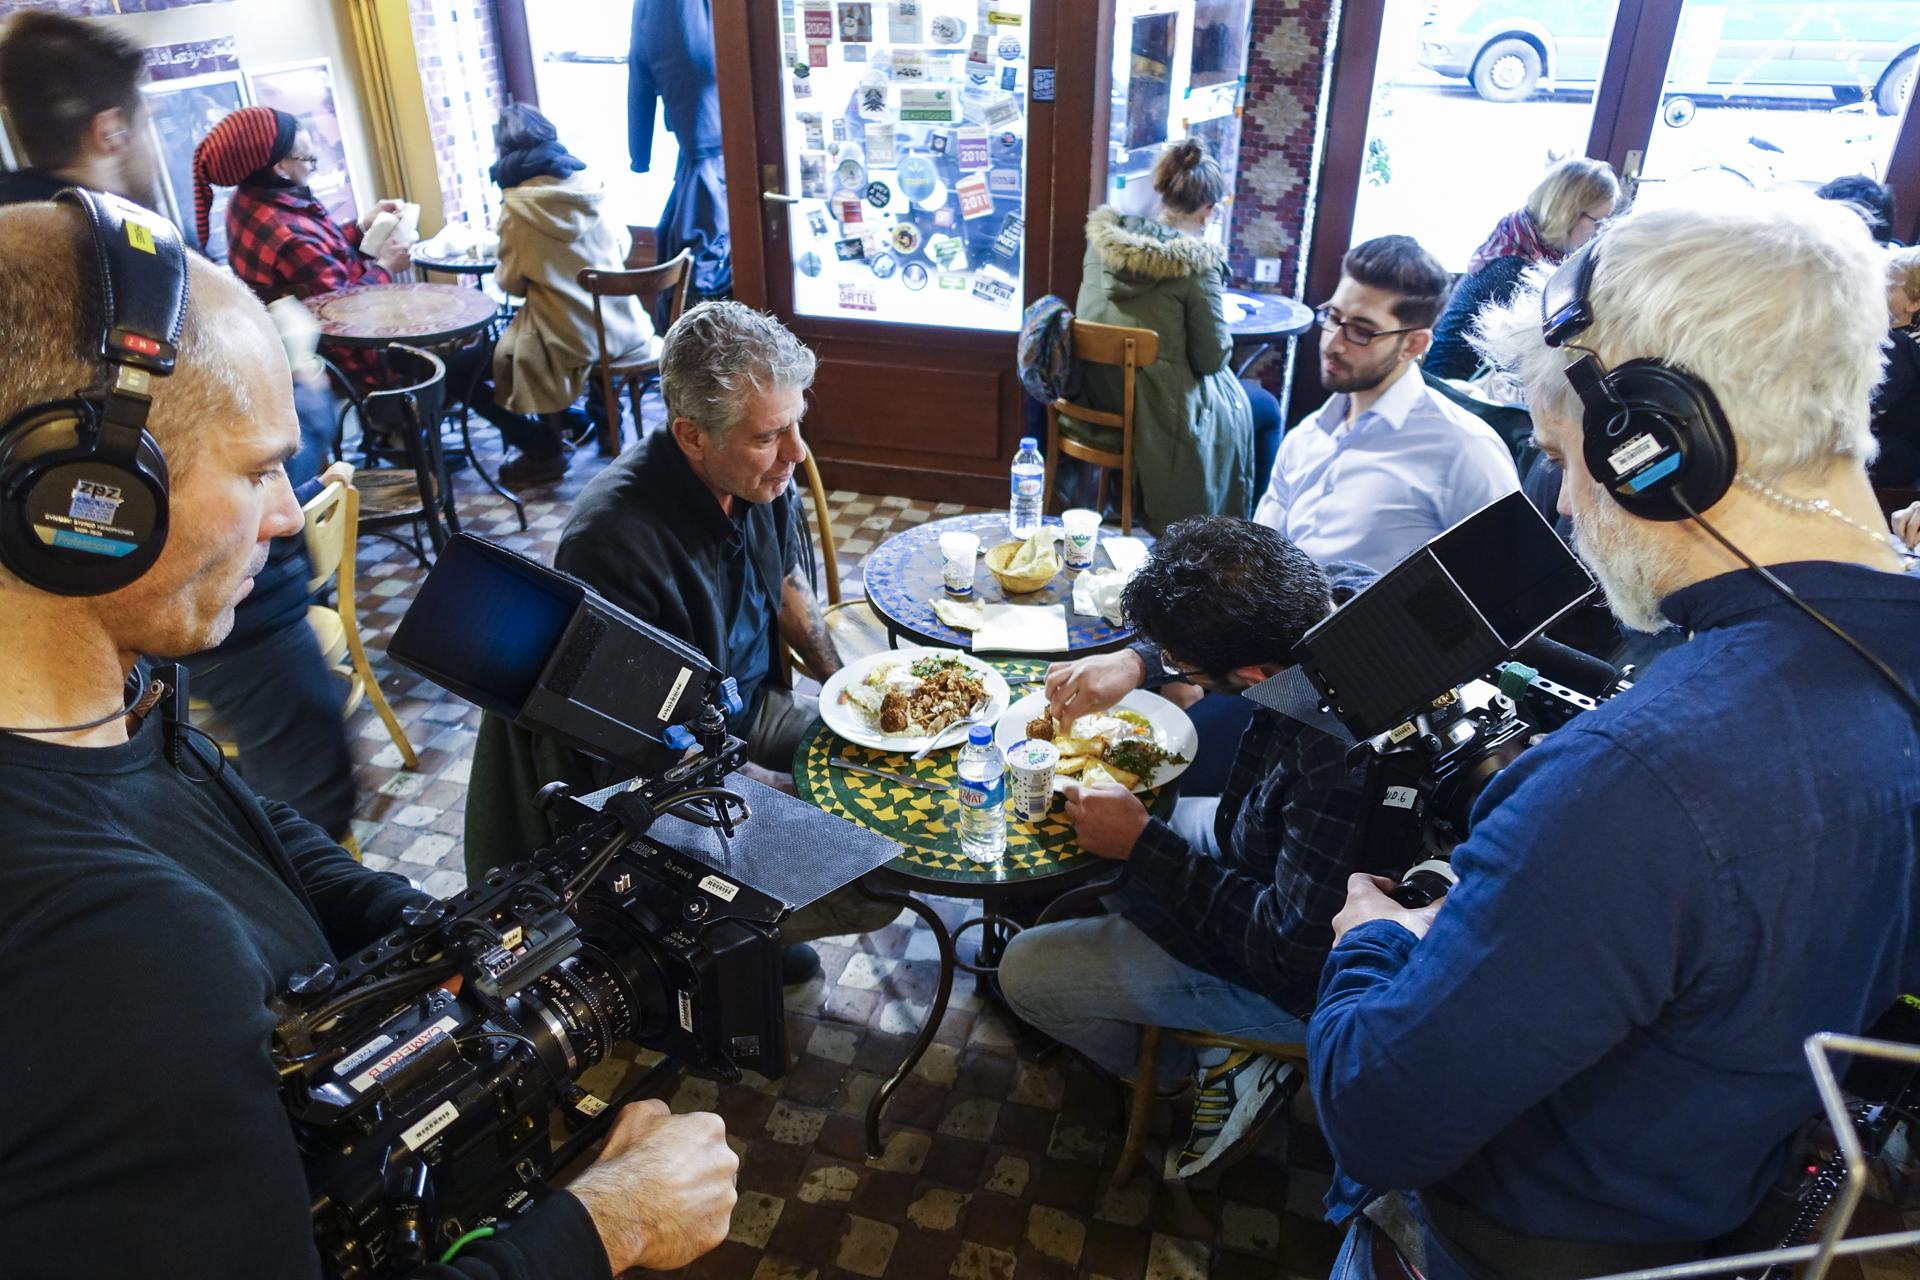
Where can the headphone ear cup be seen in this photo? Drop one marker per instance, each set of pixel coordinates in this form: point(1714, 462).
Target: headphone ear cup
point(71, 522)
point(1661, 446)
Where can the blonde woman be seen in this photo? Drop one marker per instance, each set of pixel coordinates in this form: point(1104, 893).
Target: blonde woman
point(1562, 214)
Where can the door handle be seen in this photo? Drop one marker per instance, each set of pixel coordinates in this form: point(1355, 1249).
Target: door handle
point(779, 197)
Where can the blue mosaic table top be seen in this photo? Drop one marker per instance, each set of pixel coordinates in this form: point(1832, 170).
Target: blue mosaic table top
point(902, 578)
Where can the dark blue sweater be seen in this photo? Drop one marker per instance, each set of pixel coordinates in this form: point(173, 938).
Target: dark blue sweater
point(1452, 354)
point(1600, 1039)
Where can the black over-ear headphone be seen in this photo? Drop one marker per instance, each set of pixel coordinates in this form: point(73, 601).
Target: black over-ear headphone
point(1655, 436)
point(83, 486)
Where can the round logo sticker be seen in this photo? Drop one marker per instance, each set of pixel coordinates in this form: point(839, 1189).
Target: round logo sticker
point(947, 29)
point(918, 179)
point(810, 264)
point(879, 195)
point(850, 175)
point(906, 237)
point(883, 264)
point(914, 275)
point(1009, 49)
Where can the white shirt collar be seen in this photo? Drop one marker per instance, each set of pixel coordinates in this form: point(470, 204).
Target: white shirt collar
point(1391, 408)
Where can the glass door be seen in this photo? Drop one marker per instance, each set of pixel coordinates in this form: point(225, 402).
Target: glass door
point(1179, 69)
point(1473, 101)
point(1767, 93)
point(905, 128)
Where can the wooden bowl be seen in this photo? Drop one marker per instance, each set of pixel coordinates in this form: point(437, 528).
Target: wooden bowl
point(1014, 583)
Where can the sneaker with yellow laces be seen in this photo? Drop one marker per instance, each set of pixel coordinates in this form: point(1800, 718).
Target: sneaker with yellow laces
point(1236, 1091)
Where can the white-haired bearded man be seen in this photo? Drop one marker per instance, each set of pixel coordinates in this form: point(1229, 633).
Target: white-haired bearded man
point(1587, 1058)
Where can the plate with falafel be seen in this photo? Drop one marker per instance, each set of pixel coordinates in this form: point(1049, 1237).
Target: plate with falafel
point(1141, 742)
point(899, 699)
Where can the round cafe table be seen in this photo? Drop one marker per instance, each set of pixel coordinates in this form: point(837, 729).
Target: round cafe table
point(1042, 856)
point(420, 315)
point(902, 577)
point(1275, 318)
point(462, 266)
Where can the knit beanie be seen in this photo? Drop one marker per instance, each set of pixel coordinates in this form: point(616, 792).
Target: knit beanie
point(247, 141)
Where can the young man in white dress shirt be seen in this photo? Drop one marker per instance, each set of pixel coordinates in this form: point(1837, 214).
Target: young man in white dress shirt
point(1386, 463)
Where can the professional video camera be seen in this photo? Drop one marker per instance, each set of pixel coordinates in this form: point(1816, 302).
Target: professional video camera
point(421, 1073)
point(1419, 673)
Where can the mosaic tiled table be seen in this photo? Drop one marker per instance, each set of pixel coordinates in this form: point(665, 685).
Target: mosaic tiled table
point(1042, 856)
point(902, 578)
point(1275, 318)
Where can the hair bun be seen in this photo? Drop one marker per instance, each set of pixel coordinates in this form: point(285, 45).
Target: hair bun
point(1189, 152)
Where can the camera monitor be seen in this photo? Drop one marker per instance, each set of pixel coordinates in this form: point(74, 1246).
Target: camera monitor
point(544, 651)
point(1451, 611)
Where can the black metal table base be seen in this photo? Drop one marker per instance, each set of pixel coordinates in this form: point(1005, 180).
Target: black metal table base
point(936, 1011)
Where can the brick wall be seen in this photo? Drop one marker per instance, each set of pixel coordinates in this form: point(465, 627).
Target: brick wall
point(1281, 119)
point(459, 46)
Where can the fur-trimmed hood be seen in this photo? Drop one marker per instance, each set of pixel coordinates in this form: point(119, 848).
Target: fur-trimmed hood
point(1146, 251)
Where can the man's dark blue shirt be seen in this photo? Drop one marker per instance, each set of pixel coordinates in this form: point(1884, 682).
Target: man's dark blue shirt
point(1600, 1039)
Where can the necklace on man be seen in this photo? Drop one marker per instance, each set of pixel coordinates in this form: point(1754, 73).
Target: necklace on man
point(1822, 507)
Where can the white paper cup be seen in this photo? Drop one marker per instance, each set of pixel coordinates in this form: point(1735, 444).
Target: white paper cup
point(958, 551)
point(1083, 534)
point(1030, 766)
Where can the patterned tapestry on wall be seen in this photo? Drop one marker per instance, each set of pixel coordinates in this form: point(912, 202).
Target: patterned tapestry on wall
point(459, 46)
point(1286, 65)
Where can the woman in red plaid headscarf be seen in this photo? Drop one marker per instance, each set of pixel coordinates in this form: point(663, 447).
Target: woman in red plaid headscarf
point(280, 239)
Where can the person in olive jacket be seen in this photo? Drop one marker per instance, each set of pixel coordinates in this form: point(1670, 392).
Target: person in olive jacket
point(1193, 427)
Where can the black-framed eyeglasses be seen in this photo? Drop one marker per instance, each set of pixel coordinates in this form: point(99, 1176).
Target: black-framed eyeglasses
point(1170, 674)
point(1358, 335)
point(306, 160)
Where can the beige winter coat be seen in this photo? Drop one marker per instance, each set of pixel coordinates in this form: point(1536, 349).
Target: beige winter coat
point(550, 229)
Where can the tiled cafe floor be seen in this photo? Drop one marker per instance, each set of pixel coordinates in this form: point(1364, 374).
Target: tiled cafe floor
point(996, 1164)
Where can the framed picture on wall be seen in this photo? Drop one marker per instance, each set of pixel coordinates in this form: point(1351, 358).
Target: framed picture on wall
point(182, 112)
point(304, 90)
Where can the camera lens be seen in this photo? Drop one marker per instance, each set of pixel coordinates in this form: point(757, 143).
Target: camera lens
point(582, 1006)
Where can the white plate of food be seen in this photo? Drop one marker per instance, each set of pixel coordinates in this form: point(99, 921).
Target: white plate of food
point(917, 692)
point(1143, 741)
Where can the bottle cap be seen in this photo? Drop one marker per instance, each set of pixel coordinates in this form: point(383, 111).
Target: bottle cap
point(1030, 442)
point(980, 735)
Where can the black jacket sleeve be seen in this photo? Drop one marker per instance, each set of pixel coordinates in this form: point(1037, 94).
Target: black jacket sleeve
point(355, 905)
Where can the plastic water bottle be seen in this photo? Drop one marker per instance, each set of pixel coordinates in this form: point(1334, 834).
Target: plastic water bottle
point(1029, 478)
point(983, 797)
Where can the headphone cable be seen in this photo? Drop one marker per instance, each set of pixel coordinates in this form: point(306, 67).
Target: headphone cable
point(1886, 672)
point(125, 711)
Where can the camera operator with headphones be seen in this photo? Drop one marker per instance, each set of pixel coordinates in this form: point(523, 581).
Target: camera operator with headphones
point(1587, 1058)
point(153, 903)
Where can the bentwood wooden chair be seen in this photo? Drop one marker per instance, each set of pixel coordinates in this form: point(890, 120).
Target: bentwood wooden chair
point(855, 629)
point(647, 283)
point(332, 534)
point(1129, 350)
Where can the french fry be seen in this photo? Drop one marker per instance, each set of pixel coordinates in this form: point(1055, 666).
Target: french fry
point(1121, 776)
point(1072, 764)
point(1080, 747)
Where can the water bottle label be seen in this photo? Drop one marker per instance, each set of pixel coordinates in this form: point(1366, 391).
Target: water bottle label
point(983, 795)
point(1027, 486)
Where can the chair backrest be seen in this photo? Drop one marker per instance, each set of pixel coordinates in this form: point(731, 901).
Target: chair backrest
point(332, 517)
point(1111, 344)
point(647, 282)
point(1107, 343)
point(825, 523)
point(420, 401)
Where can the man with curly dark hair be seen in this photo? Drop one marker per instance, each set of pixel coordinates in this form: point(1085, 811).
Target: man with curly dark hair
point(1227, 916)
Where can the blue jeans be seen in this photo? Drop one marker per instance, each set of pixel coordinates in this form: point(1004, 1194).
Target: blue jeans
point(1092, 984)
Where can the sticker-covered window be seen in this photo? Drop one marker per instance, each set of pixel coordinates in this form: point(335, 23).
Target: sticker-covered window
point(906, 127)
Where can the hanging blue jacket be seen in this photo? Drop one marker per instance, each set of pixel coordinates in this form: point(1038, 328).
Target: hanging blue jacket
point(671, 61)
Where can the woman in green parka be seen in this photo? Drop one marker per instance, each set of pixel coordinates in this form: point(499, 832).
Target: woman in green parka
point(1193, 434)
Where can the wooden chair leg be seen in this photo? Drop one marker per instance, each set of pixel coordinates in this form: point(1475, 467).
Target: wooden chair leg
point(357, 653)
point(610, 432)
point(636, 392)
point(1139, 1106)
point(1048, 480)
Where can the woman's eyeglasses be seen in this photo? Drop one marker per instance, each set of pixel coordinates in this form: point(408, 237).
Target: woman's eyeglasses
point(309, 161)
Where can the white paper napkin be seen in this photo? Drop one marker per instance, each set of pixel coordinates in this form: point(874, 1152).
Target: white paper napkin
point(1022, 628)
point(1127, 553)
point(1100, 593)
